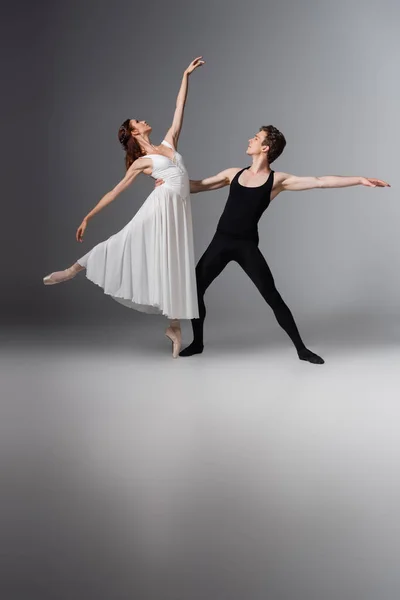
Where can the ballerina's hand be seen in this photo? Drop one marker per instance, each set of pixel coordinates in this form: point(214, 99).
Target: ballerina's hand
point(374, 182)
point(159, 182)
point(197, 62)
point(80, 231)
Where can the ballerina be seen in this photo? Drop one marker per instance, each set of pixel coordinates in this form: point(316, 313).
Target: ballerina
point(148, 265)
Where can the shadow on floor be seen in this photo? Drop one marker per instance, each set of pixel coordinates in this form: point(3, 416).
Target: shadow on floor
point(228, 335)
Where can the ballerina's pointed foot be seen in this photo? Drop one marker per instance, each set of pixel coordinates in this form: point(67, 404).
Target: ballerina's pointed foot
point(174, 334)
point(60, 276)
point(311, 357)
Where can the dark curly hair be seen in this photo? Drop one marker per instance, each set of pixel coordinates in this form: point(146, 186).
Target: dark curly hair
point(275, 140)
point(131, 146)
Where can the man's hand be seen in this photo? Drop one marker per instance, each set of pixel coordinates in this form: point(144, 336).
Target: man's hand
point(373, 182)
point(159, 182)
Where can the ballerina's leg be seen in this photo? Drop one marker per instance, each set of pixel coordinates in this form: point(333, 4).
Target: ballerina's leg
point(60, 276)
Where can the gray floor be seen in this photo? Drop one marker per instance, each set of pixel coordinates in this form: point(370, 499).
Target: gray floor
point(239, 474)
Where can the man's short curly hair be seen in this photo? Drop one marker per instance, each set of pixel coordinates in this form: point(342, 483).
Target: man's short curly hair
point(275, 140)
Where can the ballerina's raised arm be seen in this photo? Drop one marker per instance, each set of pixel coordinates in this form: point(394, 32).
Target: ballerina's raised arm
point(174, 131)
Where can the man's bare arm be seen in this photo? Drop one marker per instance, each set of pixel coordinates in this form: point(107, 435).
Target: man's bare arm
point(216, 182)
point(293, 183)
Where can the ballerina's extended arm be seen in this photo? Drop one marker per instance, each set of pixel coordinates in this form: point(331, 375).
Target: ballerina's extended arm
point(174, 131)
point(134, 170)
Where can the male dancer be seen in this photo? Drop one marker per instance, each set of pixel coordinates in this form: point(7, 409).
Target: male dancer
point(236, 238)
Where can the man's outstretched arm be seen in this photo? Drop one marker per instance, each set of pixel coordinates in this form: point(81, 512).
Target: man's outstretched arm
point(219, 180)
point(216, 182)
point(293, 183)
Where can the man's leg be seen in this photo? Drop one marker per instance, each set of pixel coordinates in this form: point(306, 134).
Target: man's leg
point(210, 265)
point(254, 264)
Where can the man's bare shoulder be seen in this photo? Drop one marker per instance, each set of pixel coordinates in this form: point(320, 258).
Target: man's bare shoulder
point(277, 187)
point(279, 177)
point(231, 172)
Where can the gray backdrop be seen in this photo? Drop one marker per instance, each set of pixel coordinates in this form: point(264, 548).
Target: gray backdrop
point(324, 73)
point(243, 473)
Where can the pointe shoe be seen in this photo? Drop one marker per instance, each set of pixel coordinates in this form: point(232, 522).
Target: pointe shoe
point(48, 280)
point(59, 276)
point(175, 336)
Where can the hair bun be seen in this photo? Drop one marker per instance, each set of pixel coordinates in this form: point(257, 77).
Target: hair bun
point(123, 135)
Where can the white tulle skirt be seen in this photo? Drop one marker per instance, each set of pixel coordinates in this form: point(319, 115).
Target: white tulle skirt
point(149, 264)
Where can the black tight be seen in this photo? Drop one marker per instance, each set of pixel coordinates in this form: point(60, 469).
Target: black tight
point(246, 253)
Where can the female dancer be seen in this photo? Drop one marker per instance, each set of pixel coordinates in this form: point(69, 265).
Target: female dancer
point(149, 264)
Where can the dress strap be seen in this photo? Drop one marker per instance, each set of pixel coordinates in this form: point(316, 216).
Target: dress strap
point(167, 144)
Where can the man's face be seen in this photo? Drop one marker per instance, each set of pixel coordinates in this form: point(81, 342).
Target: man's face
point(255, 144)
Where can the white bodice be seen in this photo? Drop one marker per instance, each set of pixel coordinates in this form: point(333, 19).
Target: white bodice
point(172, 171)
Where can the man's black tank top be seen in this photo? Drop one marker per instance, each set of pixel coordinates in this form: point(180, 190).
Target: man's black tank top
point(244, 208)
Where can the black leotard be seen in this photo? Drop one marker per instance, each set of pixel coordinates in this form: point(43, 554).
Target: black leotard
point(244, 208)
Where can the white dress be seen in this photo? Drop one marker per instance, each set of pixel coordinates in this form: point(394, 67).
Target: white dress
point(149, 264)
